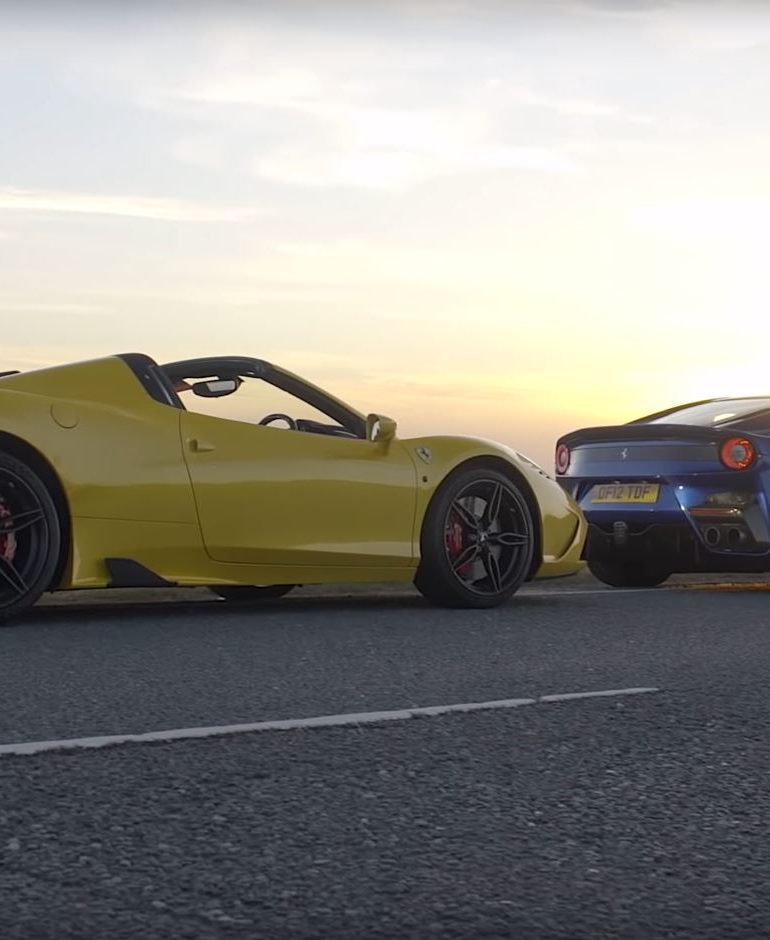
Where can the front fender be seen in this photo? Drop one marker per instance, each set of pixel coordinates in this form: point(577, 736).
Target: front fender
point(561, 524)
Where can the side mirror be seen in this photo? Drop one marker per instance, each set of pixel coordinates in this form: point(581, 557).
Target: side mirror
point(216, 388)
point(380, 428)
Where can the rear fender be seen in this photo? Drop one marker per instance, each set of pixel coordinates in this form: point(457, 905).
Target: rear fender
point(113, 461)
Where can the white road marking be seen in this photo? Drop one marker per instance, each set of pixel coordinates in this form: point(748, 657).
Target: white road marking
point(605, 693)
point(290, 724)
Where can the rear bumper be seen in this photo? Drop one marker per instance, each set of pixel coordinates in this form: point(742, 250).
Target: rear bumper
point(712, 517)
point(678, 547)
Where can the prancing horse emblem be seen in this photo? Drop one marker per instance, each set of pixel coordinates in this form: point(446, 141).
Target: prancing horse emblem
point(424, 454)
point(624, 453)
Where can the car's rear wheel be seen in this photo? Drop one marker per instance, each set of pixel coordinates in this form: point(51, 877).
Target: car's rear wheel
point(626, 574)
point(477, 542)
point(30, 537)
point(251, 594)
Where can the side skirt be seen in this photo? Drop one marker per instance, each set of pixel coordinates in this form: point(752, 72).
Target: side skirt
point(127, 573)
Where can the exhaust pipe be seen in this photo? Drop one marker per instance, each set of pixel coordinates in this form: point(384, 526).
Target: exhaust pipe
point(736, 537)
point(712, 536)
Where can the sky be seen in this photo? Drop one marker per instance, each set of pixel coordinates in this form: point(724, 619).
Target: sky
point(488, 217)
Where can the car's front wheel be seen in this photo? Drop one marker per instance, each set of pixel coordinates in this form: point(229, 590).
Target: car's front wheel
point(478, 541)
point(628, 574)
point(251, 594)
point(30, 537)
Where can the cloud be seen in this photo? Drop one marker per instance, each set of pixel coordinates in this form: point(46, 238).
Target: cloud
point(360, 102)
point(396, 170)
point(341, 119)
point(221, 293)
point(201, 151)
point(391, 149)
point(589, 108)
point(136, 207)
point(29, 356)
point(281, 87)
point(721, 28)
point(735, 26)
point(33, 306)
point(619, 8)
point(745, 220)
point(352, 139)
point(383, 263)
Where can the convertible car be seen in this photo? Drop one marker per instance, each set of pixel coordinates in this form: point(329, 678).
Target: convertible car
point(110, 477)
point(682, 490)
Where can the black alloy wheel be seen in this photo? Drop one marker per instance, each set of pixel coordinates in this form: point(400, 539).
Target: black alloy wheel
point(478, 541)
point(30, 537)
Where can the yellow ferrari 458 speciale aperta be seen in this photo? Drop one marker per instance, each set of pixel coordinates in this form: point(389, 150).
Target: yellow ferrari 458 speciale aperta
point(118, 472)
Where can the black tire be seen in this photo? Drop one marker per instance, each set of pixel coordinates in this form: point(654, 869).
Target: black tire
point(628, 574)
point(251, 594)
point(30, 537)
point(472, 557)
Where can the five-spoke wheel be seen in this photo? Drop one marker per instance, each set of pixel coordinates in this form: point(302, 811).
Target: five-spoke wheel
point(478, 541)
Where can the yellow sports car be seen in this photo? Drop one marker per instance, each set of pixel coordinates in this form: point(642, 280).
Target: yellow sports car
point(119, 472)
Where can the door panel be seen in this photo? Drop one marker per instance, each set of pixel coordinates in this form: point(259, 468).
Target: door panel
point(266, 495)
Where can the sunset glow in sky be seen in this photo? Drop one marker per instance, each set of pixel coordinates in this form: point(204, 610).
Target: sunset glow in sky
point(499, 218)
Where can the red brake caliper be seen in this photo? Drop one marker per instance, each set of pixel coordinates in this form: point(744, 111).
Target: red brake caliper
point(455, 540)
point(7, 539)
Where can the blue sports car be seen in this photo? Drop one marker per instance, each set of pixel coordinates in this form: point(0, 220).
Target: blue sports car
point(682, 490)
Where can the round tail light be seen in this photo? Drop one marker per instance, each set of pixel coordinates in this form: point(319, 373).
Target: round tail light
point(562, 458)
point(738, 453)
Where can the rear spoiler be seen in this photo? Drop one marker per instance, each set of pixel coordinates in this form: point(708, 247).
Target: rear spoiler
point(647, 432)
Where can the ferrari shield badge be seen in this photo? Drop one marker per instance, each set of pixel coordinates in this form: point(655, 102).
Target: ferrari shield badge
point(424, 453)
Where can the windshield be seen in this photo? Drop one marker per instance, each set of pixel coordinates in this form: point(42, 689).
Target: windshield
point(714, 413)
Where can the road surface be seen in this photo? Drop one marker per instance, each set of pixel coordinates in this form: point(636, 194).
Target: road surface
point(636, 814)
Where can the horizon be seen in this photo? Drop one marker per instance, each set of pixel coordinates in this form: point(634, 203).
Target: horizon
point(502, 220)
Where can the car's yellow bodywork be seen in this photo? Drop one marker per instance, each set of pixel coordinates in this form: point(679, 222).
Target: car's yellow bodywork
point(200, 500)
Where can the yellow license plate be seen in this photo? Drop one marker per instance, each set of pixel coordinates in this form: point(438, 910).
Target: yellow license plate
point(625, 493)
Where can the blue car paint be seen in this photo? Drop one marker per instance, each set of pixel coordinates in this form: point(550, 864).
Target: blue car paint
point(689, 472)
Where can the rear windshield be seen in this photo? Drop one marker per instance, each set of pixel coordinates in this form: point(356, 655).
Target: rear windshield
point(714, 412)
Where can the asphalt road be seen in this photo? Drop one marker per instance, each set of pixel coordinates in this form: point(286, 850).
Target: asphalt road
point(627, 816)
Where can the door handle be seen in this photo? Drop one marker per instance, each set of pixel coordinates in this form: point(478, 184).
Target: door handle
point(197, 446)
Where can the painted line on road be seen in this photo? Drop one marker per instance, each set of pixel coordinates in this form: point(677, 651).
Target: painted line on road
point(291, 724)
point(605, 693)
